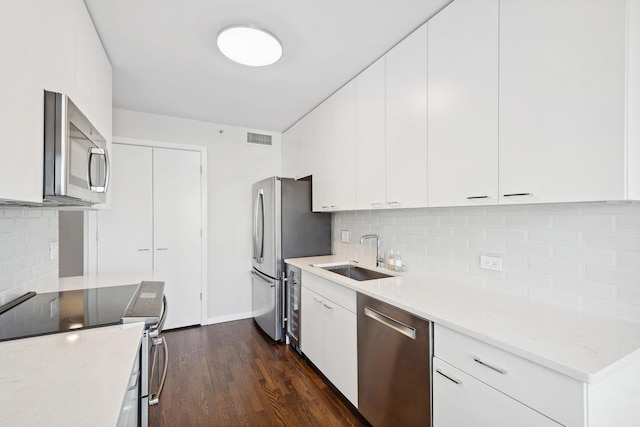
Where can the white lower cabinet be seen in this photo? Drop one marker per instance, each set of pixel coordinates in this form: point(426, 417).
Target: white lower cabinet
point(490, 382)
point(329, 332)
point(129, 412)
point(459, 400)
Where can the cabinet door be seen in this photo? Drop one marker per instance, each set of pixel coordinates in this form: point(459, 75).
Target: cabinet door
point(125, 232)
point(296, 149)
point(406, 123)
point(321, 148)
point(463, 104)
point(341, 155)
point(460, 400)
point(177, 232)
point(92, 92)
point(562, 100)
point(340, 349)
point(312, 327)
point(370, 137)
point(21, 101)
point(59, 46)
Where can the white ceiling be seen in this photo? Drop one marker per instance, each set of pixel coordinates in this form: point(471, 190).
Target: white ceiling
point(165, 59)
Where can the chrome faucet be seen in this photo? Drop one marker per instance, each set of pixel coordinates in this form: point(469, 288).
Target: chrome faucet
point(379, 260)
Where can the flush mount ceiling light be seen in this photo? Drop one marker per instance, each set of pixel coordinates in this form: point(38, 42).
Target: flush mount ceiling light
point(249, 45)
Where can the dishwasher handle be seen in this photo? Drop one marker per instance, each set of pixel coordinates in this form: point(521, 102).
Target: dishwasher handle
point(390, 322)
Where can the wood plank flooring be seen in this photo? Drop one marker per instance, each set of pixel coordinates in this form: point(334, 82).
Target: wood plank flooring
point(231, 374)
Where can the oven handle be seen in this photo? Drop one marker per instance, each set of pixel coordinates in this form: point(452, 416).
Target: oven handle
point(154, 398)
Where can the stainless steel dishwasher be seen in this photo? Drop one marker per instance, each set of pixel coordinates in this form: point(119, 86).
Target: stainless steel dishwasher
point(394, 365)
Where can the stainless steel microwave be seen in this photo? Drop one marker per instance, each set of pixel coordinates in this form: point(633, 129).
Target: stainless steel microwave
point(76, 161)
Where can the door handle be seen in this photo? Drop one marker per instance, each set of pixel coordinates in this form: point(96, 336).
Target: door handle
point(487, 365)
point(448, 377)
point(517, 194)
point(284, 298)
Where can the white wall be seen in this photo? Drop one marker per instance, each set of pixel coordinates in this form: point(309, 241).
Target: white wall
point(585, 256)
point(25, 260)
point(233, 166)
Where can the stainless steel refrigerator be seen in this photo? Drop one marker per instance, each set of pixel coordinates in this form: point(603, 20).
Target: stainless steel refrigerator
point(283, 227)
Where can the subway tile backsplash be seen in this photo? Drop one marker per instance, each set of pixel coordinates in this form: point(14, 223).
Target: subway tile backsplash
point(585, 256)
point(25, 259)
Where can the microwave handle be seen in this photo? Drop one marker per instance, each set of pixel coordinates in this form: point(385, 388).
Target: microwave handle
point(99, 152)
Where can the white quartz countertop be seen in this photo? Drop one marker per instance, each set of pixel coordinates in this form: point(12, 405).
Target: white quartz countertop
point(67, 379)
point(582, 345)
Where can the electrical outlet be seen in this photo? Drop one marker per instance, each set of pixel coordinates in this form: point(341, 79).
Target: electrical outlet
point(53, 250)
point(344, 236)
point(491, 263)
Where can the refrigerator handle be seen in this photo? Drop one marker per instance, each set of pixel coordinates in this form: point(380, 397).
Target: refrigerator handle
point(261, 210)
point(258, 228)
point(285, 282)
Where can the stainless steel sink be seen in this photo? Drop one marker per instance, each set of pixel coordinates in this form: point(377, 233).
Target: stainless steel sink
point(354, 272)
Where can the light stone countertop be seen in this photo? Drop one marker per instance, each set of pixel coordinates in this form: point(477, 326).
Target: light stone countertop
point(76, 378)
point(67, 379)
point(582, 345)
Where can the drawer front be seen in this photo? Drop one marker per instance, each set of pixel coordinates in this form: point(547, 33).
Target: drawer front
point(460, 400)
point(556, 395)
point(337, 293)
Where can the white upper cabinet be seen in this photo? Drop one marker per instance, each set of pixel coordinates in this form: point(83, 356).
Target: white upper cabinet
point(370, 137)
point(334, 180)
point(463, 104)
point(342, 151)
point(490, 102)
point(406, 122)
point(562, 100)
point(49, 46)
point(320, 146)
point(21, 102)
point(297, 161)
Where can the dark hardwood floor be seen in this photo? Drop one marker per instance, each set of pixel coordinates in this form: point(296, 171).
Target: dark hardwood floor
point(230, 374)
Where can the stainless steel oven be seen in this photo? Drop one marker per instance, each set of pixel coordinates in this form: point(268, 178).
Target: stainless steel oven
point(76, 161)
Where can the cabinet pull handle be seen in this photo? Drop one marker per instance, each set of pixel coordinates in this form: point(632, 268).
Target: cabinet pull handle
point(517, 194)
point(376, 205)
point(326, 306)
point(477, 197)
point(499, 370)
point(319, 301)
point(325, 207)
point(334, 206)
point(390, 322)
point(162, 249)
point(143, 249)
point(448, 377)
point(394, 204)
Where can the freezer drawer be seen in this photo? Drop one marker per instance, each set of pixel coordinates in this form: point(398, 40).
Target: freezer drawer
point(267, 304)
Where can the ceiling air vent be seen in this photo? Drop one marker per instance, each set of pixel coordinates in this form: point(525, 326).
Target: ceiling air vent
point(258, 138)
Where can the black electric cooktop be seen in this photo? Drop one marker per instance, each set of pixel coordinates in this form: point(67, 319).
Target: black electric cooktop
point(50, 313)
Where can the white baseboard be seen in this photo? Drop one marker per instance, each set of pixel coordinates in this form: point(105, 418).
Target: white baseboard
point(229, 318)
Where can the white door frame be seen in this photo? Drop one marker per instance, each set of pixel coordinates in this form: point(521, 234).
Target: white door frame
point(91, 249)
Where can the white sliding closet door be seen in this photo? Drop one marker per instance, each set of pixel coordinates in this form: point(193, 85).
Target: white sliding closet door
point(177, 225)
